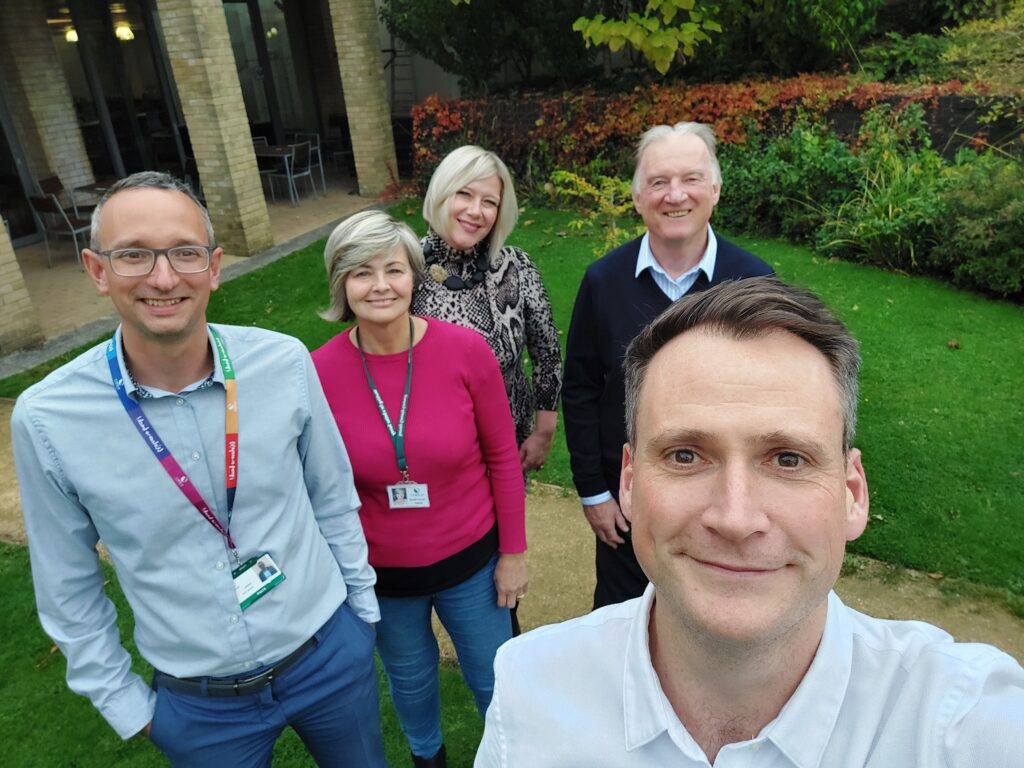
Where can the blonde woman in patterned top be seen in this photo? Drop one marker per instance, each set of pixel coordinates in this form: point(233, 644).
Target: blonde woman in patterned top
point(474, 279)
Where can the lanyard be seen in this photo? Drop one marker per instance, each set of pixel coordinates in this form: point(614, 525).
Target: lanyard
point(163, 453)
point(397, 436)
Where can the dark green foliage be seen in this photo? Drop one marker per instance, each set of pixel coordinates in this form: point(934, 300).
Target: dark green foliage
point(914, 57)
point(981, 49)
point(981, 242)
point(783, 37)
point(891, 217)
point(477, 41)
point(785, 184)
point(932, 15)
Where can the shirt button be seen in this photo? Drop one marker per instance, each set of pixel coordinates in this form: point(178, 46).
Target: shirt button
point(180, 401)
point(195, 455)
point(219, 566)
point(233, 619)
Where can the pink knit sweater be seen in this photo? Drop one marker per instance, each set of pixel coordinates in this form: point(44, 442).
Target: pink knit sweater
point(459, 440)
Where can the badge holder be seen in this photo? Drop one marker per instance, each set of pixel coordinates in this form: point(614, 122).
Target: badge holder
point(254, 578)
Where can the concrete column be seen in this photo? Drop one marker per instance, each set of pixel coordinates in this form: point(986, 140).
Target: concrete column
point(38, 96)
point(357, 40)
point(199, 48)
point(19, 324)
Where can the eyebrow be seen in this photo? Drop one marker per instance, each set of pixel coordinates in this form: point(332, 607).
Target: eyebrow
point(801, 442)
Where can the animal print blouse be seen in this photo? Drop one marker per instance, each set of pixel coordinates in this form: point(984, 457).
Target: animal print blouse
point(507, 304)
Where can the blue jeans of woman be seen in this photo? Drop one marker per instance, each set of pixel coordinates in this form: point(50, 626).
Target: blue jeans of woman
point(405, 640)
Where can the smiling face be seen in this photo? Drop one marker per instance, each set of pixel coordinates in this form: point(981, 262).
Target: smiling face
point(380, 290)
point(740, 494)
point(472, 212)
point(676, 192)
point(163, 306)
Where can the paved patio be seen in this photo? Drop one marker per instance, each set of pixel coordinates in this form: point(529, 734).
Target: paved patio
point(72, 313)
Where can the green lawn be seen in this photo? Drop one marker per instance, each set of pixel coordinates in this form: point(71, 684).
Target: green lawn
point(942, 430)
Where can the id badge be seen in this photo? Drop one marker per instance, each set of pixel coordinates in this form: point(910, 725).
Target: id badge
point(408, 496)
point(255, 577)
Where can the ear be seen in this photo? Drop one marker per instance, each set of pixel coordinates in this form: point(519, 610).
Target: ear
point(626, 484)
point(857, 503)
point(716, 190)
point(93, 264)
point(215, 268)
point(636, 204)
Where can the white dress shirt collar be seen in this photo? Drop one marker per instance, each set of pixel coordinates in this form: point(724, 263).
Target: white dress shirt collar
point(803, 727)
point(675, 288)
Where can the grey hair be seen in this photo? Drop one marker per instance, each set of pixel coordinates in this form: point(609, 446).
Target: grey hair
point(147, 180)
point(463, 166)
point(702, 131)
point(749, 309)
point(356, 241)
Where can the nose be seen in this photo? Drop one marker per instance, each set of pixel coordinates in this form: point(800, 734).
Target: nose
point(736, 511)
point(163, 275)
point(380, 282)
point(473, 208)
point(676, 190)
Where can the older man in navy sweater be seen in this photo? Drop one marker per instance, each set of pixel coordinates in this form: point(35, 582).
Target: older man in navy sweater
point(675, 188)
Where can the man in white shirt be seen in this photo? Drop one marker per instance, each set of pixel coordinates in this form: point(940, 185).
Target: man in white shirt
point(742, 487)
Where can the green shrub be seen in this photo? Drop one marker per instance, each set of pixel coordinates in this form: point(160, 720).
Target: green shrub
point(990, 50)
point(606, 203)
point(787, 184)
point(892, 217)
point(914, 57)
point(782, 37)
point(982, 240)
point(986, 48)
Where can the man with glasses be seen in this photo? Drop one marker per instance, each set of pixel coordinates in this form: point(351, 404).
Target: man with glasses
point(200, 455)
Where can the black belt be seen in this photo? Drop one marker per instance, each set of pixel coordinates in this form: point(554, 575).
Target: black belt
point(239, 686)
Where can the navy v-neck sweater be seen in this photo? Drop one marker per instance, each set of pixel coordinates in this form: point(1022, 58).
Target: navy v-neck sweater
point(612, 307)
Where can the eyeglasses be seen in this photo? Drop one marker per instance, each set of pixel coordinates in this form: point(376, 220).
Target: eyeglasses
point(138, 262)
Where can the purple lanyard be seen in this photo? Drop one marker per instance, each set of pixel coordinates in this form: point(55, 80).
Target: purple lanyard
point(163, 454)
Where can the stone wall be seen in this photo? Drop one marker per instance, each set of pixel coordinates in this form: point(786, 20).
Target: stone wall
point(19, 325)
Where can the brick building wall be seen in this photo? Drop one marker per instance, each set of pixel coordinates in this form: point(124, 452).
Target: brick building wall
point(19, 325)
point(201, 57)
point(357, 40)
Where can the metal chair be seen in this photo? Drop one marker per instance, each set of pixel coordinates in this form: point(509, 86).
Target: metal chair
point(315, 154)
point(52, 185)
point(299, 167)
point(54, 220)
point(265, 166)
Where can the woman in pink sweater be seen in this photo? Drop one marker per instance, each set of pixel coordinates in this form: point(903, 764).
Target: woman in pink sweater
point(422, 409)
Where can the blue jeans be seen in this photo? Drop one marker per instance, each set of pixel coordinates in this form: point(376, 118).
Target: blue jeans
point(408, 648)
point(329, 696)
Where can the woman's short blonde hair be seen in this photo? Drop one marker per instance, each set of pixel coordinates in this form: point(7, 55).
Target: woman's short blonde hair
point(463, 166)
point(356, 241)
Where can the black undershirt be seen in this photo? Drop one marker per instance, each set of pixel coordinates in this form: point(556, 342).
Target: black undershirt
point(444, 574)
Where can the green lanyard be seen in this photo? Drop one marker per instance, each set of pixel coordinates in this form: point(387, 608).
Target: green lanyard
point(397, 437)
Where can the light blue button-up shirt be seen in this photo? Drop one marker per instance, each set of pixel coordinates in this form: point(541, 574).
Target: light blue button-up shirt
point(676, 288)
point(86, 475)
